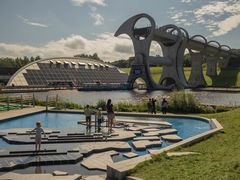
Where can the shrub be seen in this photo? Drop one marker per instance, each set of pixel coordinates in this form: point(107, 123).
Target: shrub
point(181, 102)
point(101, 104)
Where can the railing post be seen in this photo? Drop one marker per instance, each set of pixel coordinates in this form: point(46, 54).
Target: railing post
point(56, 102)
point(21, 101)
point(8, 102)
point(33, 100)
point(65, 106)
point(46, 103)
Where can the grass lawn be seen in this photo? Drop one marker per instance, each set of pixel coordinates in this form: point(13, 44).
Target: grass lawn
point(229, 76)
point(219, 158)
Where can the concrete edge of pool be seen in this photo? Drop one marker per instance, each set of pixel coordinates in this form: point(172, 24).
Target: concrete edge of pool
point(120, 169)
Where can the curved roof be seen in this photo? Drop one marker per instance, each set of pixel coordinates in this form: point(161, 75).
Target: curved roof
point(66, 69)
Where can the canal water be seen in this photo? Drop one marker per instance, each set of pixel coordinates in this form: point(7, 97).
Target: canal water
point(91, 97)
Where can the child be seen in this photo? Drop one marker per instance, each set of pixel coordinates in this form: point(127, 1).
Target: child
point(99, 118)
point(88, 114)
point(38, 136)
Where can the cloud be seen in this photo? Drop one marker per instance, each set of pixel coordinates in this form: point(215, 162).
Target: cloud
point(180, 17)
point(227, 25)
point(218, 17)
point(123, 48)
point(108, 47)
point(82, 2)
point(98, 18)
point(28, 22)
point(187, 1)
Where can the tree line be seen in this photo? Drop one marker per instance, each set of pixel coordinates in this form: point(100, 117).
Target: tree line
point(7, 62)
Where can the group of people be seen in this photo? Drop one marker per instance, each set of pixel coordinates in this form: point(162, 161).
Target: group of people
point(151, 105)
point(99, 118)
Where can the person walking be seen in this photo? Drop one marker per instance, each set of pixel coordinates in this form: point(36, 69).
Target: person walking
point(110, 115)
point(154, 106)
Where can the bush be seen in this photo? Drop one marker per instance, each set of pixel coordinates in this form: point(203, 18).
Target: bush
point(101, 104)
point(181, 102)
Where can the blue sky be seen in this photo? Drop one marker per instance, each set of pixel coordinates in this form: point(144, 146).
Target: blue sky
point(52, 28)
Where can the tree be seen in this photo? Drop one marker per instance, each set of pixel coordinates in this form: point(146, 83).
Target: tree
point(94, 56)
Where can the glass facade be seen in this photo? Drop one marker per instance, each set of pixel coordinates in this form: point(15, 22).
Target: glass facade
point(71, 71)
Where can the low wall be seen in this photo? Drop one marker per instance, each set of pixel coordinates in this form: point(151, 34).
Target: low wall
point(120, 169)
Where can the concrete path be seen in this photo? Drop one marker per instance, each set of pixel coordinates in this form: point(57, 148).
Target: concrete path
point(20, 112)
point(150, 130)
point(15, 176)
point(160, 123)
point(130, 155)
point(142, 145)
point(160, 132)
point(96, 177)
point(170, 154)
point(150, 138)
point(99, 161)
point(171, 137)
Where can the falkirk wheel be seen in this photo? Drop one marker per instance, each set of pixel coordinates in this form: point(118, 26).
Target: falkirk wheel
point(173, 41)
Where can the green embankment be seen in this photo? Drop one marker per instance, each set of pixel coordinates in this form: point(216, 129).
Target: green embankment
point(229, 77)
point(219, 158)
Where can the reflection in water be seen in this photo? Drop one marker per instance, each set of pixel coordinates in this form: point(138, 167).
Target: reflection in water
point(38, 168)
point(91, 97)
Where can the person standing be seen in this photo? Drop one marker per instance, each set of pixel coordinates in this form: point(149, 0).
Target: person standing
point(110, 115)
point(164, 106)
point(38, 136)
point(154, 106)
point(88, 114)
point(99, 118)
point(149, 106)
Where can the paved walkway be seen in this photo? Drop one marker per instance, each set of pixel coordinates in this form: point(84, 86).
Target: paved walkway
point(160, 123)
point(20, 112)
point(15, 176)
point(99, 161)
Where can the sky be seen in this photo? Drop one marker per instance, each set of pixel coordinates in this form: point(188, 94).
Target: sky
point(56, 28)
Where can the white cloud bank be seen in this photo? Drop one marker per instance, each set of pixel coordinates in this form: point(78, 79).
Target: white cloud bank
point(219, 17)
point(108, 47)
point(94, 2)
point(28, 22)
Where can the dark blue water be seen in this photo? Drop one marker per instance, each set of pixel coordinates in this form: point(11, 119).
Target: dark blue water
point(186, 127)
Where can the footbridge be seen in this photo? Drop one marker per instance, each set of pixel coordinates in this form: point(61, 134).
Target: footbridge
point(173, 41)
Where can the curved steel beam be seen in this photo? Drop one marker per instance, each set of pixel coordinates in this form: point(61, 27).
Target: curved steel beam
point(128, 26)
point(229, 49)
point(219, 45)
point(185, 31)
point(173, 27)
point(192, 38)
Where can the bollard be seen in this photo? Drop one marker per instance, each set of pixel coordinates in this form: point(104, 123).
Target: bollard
point(56, 102)
point(65, 106)
point(95, 122)
point(46, 103)
point(33, 100)
point(8, 102)
point(21, 101)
